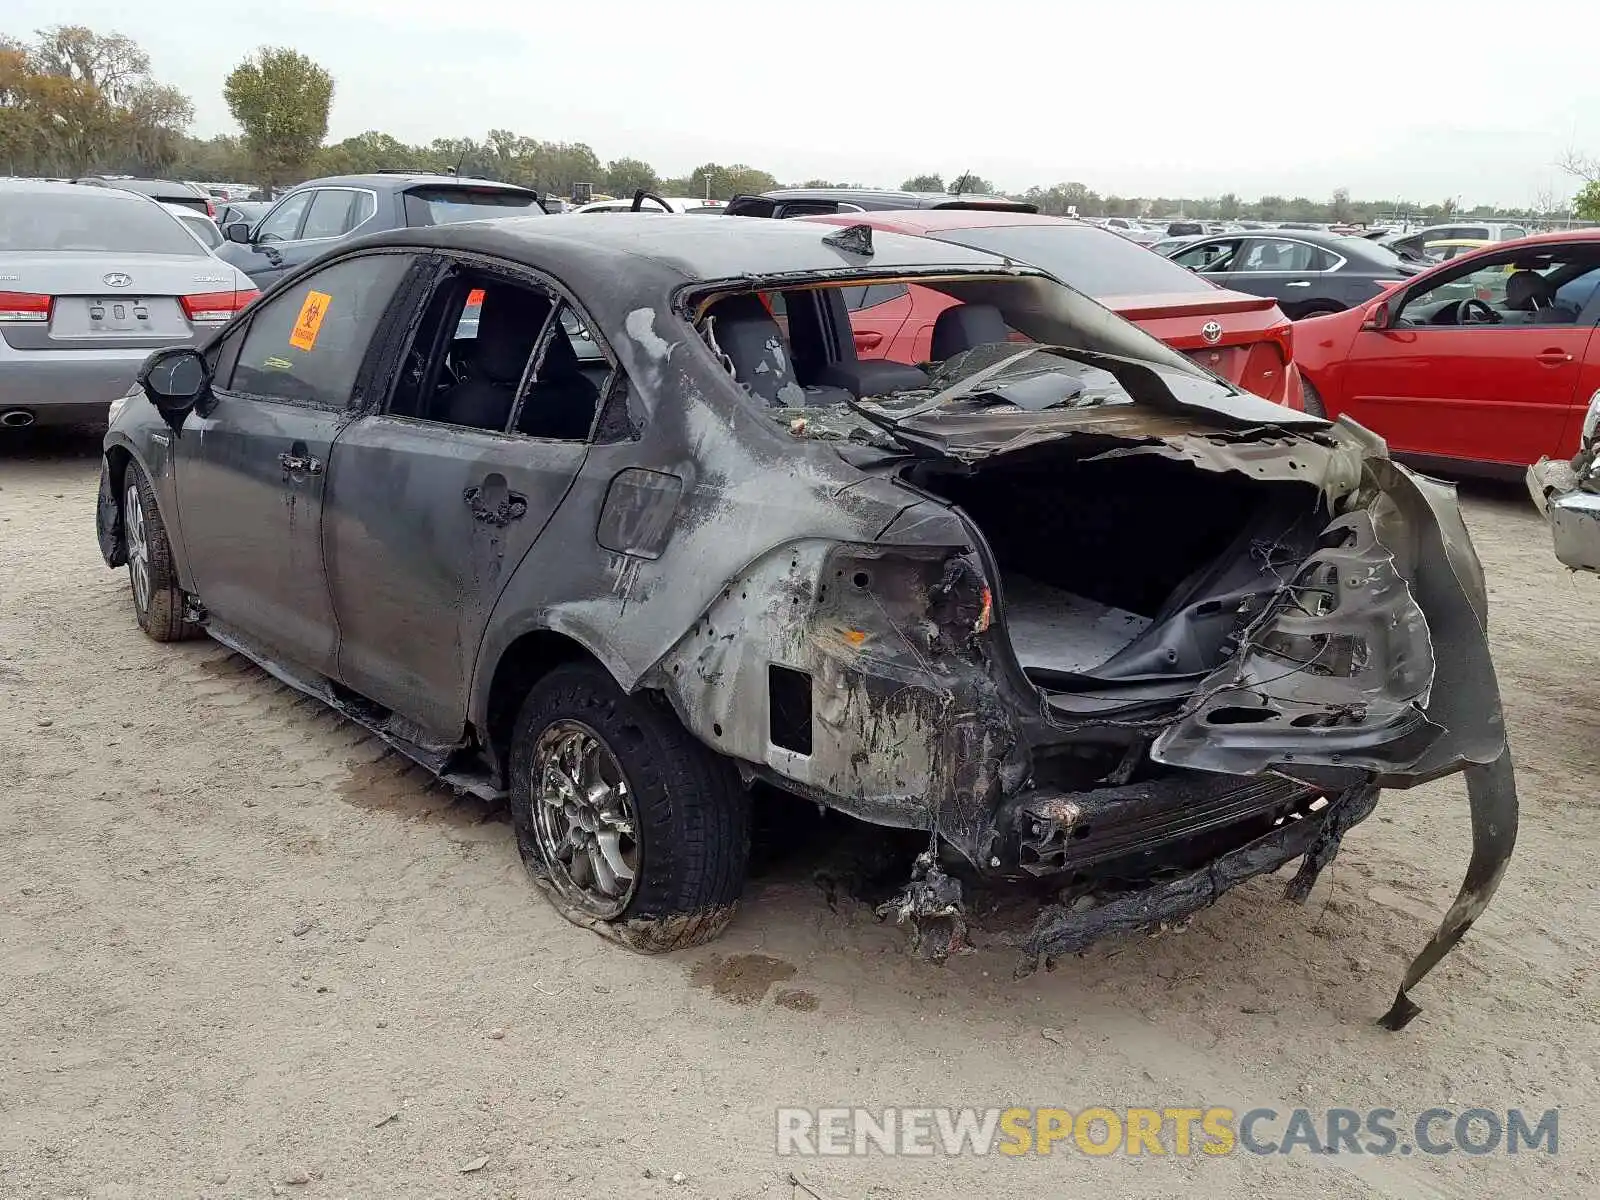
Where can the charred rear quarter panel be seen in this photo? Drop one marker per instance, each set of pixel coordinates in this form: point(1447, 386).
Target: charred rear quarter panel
point(744, 489)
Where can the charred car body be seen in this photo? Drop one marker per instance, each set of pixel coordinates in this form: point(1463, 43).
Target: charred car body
point(1073, 607)
point(1568, 494)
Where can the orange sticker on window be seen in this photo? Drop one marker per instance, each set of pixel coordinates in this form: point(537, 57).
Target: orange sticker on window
point(475, 298)
point(309, 322)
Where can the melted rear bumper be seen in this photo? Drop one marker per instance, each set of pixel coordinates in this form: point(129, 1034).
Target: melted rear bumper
point(1573, 513)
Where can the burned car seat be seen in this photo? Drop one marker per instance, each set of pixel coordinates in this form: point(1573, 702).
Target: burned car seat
point(562, 400)
point(966, 326)
point(508, 326)
point(749, 338)
point(825, 352)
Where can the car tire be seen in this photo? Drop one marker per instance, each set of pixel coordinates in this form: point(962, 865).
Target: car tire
point(1312, 399)
point(159, 603)
point(641, 832)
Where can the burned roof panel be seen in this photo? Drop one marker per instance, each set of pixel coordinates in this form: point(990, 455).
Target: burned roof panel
point(692, 248)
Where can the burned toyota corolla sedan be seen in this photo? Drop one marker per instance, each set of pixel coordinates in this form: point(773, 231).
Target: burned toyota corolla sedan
point(648, 533)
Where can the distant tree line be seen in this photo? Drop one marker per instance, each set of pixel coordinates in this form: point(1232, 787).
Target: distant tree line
point(75, 102)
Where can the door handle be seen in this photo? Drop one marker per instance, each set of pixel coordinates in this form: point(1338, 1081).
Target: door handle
point(510, 508)
point(1299, 283)
point(1552, 358)
point(868, 339)
point(300, 463)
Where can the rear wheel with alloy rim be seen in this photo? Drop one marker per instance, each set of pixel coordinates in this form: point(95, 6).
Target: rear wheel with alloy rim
point(583, 818)
point(630, 823)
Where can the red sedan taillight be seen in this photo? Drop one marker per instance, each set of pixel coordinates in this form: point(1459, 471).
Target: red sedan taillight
point(213, 308)
point(1264, 371)
point(22, 307)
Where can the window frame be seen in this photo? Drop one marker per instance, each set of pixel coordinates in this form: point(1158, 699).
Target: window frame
point(370, 360)
point(1239, 241)
point(351, 232)
point(284, 202)
point(352, 229)
point(1339, 260)
point(444, 263)
point(1588, 316)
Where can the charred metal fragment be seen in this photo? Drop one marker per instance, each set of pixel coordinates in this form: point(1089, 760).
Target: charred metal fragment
point(108, 521)
point(1323, 851)
point(931, 905)
point(1062, 930)
point(1492, 794)
point(853, 239)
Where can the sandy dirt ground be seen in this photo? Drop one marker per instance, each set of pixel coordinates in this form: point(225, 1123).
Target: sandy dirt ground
point(247, 951)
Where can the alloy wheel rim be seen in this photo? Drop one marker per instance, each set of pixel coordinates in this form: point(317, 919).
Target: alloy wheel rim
point(584, 819)
point(138, 549)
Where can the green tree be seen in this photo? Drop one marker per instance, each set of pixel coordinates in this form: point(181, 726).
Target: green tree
point(366, 152)
point(625, 176)
point(76, 101)
point(112, 64)
point(463, 155)
point(219, 159)
point(718, 182)
point(1586, 204)
point(1271, 208)
point(280, 99)
point(970, 184)
point(923, 183)
point(1228, 207)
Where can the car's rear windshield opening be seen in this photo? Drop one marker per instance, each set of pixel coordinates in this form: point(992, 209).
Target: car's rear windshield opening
point(905, 340)
point(99, 221)
point(1095, 261)
point(448, 205)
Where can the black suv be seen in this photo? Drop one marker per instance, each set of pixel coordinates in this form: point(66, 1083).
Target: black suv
point(804, 202)
point(313, 217)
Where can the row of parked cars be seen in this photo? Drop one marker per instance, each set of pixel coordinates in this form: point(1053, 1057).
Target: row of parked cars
point(1483, 362)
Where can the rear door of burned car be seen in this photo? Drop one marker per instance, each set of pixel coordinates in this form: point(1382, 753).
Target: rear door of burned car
point(443, 487)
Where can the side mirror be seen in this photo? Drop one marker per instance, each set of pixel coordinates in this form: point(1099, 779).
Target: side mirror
point(1377, 317)
point(237, 231)
point(174, 380)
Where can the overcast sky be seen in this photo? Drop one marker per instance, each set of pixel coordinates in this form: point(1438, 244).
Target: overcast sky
point(1421, 100)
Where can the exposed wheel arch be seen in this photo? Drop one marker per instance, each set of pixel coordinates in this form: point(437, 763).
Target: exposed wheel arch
point(117, 460)
point(522, 664)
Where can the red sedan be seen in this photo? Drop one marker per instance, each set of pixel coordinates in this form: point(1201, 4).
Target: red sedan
point(1483, 364)
point(1245, 339)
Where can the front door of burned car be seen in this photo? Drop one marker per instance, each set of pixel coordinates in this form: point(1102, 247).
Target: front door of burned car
point(253, 467)
point(440, 493)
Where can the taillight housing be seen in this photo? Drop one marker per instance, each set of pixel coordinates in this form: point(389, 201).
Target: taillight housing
point(24, 307)
point(215, 308)
point(1264, 371)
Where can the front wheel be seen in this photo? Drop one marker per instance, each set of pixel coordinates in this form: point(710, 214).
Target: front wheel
point(631, 825)
point(158, 602)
